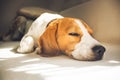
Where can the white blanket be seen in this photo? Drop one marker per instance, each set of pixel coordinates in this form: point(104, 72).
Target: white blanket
point(14, 66)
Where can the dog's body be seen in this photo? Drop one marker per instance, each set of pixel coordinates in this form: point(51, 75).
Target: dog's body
point(52, 34)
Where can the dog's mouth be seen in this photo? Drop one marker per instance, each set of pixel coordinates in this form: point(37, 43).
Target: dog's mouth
point(88, 58)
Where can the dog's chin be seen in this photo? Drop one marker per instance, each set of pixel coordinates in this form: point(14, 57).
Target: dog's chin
point(87, 58)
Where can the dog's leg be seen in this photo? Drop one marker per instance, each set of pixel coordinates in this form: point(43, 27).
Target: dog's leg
point(26, 44)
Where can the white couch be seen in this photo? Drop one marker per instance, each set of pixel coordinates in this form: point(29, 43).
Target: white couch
point(15, 66)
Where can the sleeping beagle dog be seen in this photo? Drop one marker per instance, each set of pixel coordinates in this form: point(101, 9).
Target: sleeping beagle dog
point(53, 34)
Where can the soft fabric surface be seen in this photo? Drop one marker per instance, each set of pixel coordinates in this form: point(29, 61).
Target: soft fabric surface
point(14, 66)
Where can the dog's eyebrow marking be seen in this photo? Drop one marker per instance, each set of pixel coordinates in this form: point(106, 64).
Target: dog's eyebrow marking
point(82, 27)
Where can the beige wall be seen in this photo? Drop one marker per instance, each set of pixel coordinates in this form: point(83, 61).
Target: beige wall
point(102, 15)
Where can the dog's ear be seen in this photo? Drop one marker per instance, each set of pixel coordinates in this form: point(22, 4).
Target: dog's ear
point(87, 27)
point(48, 41)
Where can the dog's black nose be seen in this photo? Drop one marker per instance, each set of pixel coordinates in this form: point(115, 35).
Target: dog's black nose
point(98, 50)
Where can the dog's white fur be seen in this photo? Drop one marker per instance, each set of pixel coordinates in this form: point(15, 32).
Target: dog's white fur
point(37, 28)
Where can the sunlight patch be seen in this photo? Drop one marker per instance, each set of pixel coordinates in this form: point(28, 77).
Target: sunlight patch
point(30, 60)
point(7, 53)
point(114, 61)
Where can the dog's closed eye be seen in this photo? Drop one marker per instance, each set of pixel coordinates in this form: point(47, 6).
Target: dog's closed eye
point(74, 34)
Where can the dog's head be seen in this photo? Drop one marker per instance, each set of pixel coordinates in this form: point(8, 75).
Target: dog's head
point(72, 37)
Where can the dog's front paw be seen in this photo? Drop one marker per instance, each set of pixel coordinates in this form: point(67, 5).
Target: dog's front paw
point(23, 50)
point(26, 45)
point(20, 50)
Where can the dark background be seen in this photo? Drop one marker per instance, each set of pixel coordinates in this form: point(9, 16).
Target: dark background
point(8, 8)
point(103, 16)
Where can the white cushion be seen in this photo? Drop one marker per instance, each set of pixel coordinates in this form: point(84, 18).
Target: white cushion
point(15, 66)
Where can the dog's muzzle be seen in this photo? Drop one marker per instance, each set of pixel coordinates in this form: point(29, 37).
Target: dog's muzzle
point(88, 49)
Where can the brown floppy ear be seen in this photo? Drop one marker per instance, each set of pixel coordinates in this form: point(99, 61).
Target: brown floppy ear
point(48, 41)
point(87, 27)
